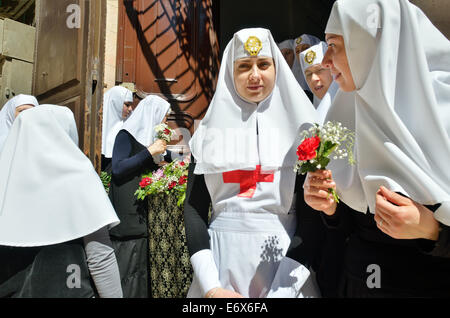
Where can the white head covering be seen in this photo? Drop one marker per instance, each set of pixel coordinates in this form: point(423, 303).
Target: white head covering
point(286, 44)
point(113, 101)
point(401, 109)
point(227, 138)
point(149, 113)
point(326, 101)
point(7, 113)
point(313, 56)
point(49, 190)
point(297, 68)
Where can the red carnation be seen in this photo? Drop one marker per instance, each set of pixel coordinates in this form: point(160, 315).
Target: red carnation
point(182, 180)
point(172, 185)
point(307, 149)
point(182, 163)
point(145, 182)
point(166, 131)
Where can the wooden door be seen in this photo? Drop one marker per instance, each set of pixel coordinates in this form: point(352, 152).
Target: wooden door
point(69, 61)
point(169, 48)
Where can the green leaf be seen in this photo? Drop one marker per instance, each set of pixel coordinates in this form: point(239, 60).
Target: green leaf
point(307, 167)
point(331, 148)
point(324, 161)
point(321, 148)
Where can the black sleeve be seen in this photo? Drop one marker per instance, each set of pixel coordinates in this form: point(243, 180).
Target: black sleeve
point(124, 166)
point(341, 220)
point(196, 210)
point(168, 157)
point(310, 232)
point(441, 247)
point(317, 245)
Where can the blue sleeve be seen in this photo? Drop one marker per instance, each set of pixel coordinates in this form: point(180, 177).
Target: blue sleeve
point(125, 166)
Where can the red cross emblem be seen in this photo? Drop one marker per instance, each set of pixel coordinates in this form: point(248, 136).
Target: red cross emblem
point(247, 180)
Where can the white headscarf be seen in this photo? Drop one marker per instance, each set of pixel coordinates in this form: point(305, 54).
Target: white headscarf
point(297, 68)
point(7, 114)
point(113, 101)
point(227, 138)
point(401, 108)
point(149, 113)
point(49, 190)
point(286, 44)
point(313, 56)
point(326, 102)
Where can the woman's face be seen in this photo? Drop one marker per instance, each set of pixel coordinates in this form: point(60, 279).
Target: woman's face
point(21, 108)
point(300, 48)
point(254, 78)
point(319, 79)
point(288, 56)
point(336, 60)
point(127, 109)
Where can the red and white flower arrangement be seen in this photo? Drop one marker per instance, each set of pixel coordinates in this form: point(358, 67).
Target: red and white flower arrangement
point(163, 132)
point(171, 177)
point(320, 143)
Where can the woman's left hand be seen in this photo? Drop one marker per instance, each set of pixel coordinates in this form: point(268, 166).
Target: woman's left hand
point(403, 218)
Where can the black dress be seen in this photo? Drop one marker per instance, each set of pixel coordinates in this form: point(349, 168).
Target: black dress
point(55, 271)
point(130, 238)
point(376, 265)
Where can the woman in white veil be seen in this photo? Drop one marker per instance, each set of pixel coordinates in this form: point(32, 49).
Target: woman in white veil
point(136, 151)
point(117, 107)
point(11, 110)
point(54, 213)
point(243, 156)
point(393, 69)
point(300, 44)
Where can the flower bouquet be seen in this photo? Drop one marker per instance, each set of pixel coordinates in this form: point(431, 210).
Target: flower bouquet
point(163, 132)
point(171, 177)
point(106, 180)
point(320, 143)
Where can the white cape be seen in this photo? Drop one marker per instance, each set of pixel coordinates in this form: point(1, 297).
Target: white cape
point(49, 190)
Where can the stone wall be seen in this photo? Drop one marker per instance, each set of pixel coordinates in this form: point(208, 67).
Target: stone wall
point(112, 16)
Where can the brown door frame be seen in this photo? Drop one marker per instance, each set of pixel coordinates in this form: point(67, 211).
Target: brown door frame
point(85, 93)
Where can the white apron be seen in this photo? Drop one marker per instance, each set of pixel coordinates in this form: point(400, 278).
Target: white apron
point(250, 231)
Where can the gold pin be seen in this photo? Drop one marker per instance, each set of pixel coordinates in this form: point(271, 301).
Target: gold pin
point(299, 40)
point(310, 56)
point(253, 45)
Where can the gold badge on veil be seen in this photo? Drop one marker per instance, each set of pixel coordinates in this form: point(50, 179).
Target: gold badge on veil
point(253, 45)
point(310, 56)
point(299, 40)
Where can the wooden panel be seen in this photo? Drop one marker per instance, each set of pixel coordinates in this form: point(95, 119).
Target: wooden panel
point(15, 78)
point(21, 77)
point(126, 53)
point(2, 22)
point(174, 49)
point(60, 50)
point(167, 63)
point(70, 65)
point(74, 104)
point(23, 49)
